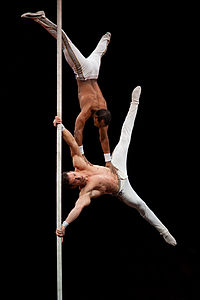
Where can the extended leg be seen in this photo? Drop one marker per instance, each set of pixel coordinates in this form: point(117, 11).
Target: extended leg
point(84, 68)
point(100, 49)
point(73, 56)
point(130, 197)
point(119, 156)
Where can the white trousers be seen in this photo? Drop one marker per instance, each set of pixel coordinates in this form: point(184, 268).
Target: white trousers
point(84, 68)
point(119, 160)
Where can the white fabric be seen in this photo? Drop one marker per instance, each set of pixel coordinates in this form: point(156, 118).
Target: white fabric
point(107, 157)
point(65, 224)
point(119, 159)
point(84, 68)
point(81, 149)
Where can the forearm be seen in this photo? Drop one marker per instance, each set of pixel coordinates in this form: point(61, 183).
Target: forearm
point(105, 145)
point(103, 137)
point(74, 214)
point(83, 201)
point(78, 135)
point(80, 204)
point(68, 137)
point(80, 124)
point(70, 140)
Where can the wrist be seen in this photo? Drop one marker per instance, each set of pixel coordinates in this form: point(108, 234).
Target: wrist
point(65, 224)
point(81, 149)
point(107, 157)
point(62, 127)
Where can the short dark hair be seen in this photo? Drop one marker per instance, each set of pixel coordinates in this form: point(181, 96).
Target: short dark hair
point(65, 180)
point(104, 114)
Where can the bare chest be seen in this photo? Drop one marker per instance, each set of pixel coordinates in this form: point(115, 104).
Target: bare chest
point(105, 182)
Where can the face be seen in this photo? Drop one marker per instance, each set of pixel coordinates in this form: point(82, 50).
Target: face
point(76, 179)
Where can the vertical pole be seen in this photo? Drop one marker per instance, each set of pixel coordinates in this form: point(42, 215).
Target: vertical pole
point(59, 148)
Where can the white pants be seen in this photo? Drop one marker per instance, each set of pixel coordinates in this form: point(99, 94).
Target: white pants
point(119, 159)
point(84, 68)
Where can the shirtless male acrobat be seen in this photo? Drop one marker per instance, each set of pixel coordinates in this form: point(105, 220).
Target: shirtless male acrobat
point(91, 100)
point(95, 181)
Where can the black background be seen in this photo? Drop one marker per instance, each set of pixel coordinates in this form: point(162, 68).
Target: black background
point(109, 252)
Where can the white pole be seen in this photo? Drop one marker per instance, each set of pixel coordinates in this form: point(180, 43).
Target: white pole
point(59, 148)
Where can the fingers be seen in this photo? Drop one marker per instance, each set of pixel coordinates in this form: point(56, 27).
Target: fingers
point(60, 233)
point(56, 121)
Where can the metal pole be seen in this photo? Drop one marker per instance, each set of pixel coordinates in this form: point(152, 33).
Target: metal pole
point(59, 148)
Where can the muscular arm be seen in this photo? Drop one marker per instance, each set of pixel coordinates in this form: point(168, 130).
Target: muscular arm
point(69, 139)
point(83, 201)
point(78, 161)
point(80, 124)
point(103, 137)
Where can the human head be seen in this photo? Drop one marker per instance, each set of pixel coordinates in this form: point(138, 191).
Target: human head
point(73, 179)
point(102, 118)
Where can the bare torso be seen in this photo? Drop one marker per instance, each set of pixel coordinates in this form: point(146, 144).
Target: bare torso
point(101, 179)
point(90, 94)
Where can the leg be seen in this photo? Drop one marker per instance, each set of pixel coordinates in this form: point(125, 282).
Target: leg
point(129, 197)
point(119, 156)
point(100, 50)
point(101, 47)
point(73, 56)
point(82, 67)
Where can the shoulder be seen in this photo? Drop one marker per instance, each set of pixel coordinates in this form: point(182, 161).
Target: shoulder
point(80, 163)
point(86, 112)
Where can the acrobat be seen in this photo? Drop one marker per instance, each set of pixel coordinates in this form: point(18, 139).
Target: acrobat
point(95, 181)
point(91, 100)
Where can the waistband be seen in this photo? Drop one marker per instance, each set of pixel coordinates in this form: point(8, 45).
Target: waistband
point(119, 182)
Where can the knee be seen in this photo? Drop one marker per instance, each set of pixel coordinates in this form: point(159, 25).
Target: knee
point(141, 207)
point(138, 204)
